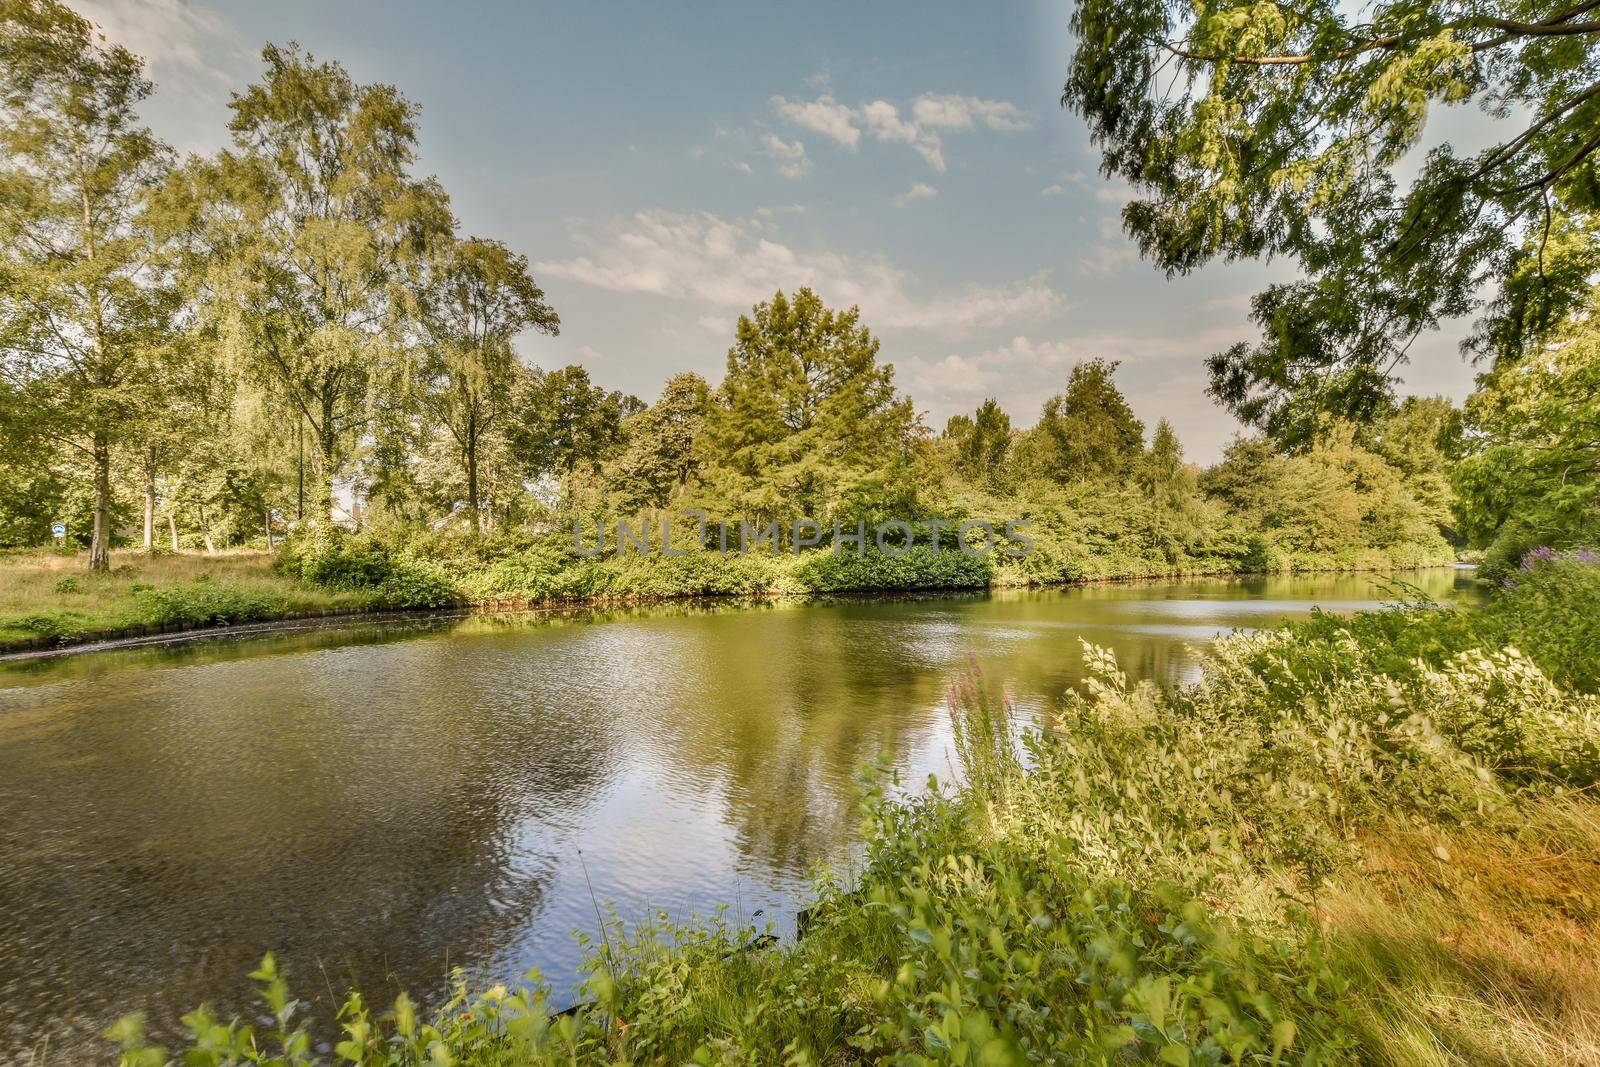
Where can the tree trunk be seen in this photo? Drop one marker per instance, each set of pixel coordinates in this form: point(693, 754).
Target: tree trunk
point(100, 543)
point(472, 475)
point(326, 447)
point(205, 531)
point(266, 521)
point(172, 529)
point(150, 500)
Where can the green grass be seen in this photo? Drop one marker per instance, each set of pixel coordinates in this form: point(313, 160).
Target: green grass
point(1318, 853)
point(54, 596)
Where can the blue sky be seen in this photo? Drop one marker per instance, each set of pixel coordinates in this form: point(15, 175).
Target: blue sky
point(666, 165)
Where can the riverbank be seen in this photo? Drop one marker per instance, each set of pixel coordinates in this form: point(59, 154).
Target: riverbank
point(1363, 840)
point(51, 600)
point(50, 603)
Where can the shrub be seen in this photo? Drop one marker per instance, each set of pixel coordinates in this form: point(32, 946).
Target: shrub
point(206, 603)
point(1547, 608)
point(329, 556)
point(921, 567)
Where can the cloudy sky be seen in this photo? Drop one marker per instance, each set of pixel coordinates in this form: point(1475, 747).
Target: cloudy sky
point(666, 165)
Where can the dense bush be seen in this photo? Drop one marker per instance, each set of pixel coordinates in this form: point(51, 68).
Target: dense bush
point(920, 567)
point(206, 603)
point(1546, 612)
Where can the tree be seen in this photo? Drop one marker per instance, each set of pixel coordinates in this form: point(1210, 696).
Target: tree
point(665, 442)
point(982, 442)
point(806, 412)
point(1089, 431)
point(1257, 130)
point(311, 225)
point(85, 296)
point(1422, 439)
point(479, 298)
point(563, 422)
point(1173, 493)
point(1531, 473)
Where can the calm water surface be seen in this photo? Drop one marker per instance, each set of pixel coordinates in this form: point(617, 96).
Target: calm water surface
point(379, 804)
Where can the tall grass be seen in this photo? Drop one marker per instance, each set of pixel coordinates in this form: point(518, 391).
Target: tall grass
point(53, 596)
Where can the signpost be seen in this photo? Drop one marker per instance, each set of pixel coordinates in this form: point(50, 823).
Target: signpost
point(59, 529)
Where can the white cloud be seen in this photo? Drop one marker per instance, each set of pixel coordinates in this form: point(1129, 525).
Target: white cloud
point(1113, 253)
point(918, 191)
point(882, 121)
point(950, 111)
point(824, 115)
point(790, 156)
point(728, 265)
point(1019, 373)
point(174, 37)
point(1162, 372)
point(1054, 190)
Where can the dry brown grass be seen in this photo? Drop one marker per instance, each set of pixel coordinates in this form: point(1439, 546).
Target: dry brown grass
point(52, 583)
point(1479, 946)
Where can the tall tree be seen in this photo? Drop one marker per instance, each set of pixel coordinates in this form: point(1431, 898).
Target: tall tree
point(981, 442)
point(1172, 490)
point(479, 298)
point(665, 442)
point(1253, 130)
point(312, 223)
point(806, 409)
point(563, 423)
point(85, 297)
point(1089, 431)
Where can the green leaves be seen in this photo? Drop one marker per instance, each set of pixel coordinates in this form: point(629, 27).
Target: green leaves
point(1255, 130)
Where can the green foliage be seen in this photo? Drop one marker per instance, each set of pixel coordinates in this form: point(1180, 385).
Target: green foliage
point(665, 444)
point(806, 414)
point(87, 299)
point(477, 297)
point(304, 234)
point(1531, 472)
point(1548, 611)
point(563, 423)
point(1544, 611)
point(1089, 431)
point(395, 576)
point(206, 603)
point(981, 444)
point(920, 567)
point(1257, 130)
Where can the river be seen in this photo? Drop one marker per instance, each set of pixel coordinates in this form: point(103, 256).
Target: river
point(381, 802)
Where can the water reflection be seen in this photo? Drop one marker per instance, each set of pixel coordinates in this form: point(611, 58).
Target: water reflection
point(381, 803)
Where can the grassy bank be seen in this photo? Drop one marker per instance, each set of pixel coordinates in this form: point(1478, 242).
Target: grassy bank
point(1371, 840)
point(52, 597)
point(49, 598)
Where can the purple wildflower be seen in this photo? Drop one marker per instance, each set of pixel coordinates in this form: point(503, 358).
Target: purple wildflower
point(1535, 557)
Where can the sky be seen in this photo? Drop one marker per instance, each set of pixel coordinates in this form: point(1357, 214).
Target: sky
point(664, 166)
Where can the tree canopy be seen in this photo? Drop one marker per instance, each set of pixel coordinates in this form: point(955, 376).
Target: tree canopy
point(87, 300)
point(806, 409)
point(1089, 431)
point(1258, 130)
